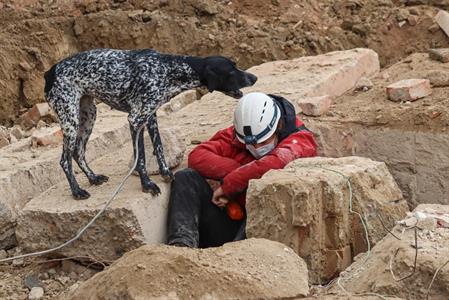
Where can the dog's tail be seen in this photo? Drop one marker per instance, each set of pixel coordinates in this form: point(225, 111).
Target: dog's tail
point(50, 77)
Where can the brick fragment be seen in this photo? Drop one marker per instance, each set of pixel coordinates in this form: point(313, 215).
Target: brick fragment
point(32, 116)
point(409, 90)
point(47, 137)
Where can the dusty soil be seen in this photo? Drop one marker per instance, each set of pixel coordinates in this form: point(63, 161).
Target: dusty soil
point(235, 271)
point(53, 275)
point(35, 35)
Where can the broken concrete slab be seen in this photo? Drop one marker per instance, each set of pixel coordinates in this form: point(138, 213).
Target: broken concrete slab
point(35, 170)
point(442, 18)
point(409, 90)
point(398, 257)
point(174, 144)
point(306, 206)
point(236, 270)
point(439, 54)
point(133, 219)
point(315, 106)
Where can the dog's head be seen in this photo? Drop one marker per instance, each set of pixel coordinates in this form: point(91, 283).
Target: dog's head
point(221, 74)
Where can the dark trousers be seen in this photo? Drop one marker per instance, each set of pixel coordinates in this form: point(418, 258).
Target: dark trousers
point(193, 220)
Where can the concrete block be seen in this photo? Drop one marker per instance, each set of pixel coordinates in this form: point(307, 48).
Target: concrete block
point(315, 106)
point(133, 219)
point(439, 54)
point(409, 90)
point(306, 207)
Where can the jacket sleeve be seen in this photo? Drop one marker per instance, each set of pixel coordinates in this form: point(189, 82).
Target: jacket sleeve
point(212, 159)
point(300, 144)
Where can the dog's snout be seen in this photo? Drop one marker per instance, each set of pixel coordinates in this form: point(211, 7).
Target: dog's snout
point(251, 78)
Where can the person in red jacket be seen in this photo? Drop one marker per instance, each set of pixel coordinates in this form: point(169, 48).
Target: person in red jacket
point(207, 200)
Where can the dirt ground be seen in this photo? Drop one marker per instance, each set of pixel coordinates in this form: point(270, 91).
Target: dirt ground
point(36, 34)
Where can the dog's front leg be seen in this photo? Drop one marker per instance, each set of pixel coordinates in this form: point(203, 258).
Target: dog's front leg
point(147, 184)
point(158, 149)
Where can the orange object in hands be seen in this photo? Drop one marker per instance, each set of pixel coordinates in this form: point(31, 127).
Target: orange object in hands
point(235, 211)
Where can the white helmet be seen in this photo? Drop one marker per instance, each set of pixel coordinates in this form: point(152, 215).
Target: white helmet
point(256, 118)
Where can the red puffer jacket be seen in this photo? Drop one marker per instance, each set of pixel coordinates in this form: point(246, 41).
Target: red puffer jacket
point(225, 158)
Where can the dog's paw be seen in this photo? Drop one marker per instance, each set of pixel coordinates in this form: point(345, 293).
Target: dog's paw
point(80, 194)
point(98, 179)
point(167, 175)
point(151, 187)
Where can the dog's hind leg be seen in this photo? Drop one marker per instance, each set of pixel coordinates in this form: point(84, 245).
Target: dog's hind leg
point(88, 114)
point(158, 149)
point(66, 105)
point(147, 184)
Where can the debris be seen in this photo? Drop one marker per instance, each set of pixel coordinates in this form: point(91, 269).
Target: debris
point(442, 18)
point(16, 132)
point(439, 54)
point(402, 14)
point(412, 20)
point(433, 28)
point(315, 106)
point(438, 78)
point(409, 90)
point(36, 293)
point(47, 137)
point(18, 262)
point(32, 116)
point(32, 281)
point(363, 84)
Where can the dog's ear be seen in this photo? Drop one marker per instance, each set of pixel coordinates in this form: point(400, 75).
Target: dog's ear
point(212, 79)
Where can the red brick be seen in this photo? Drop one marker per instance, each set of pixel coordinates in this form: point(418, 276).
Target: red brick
point(47, 137)
point(409, 90)
point(315, 106)
point(32, 117)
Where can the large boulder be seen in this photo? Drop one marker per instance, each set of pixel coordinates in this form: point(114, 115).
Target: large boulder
point(307, 207)
point(392, 256)
point(250, 269)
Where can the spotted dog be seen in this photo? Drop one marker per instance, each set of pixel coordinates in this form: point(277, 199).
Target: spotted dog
point(134, 81)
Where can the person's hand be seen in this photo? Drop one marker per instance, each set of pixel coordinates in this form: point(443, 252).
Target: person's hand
point(214, 184)
point(219, 198)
